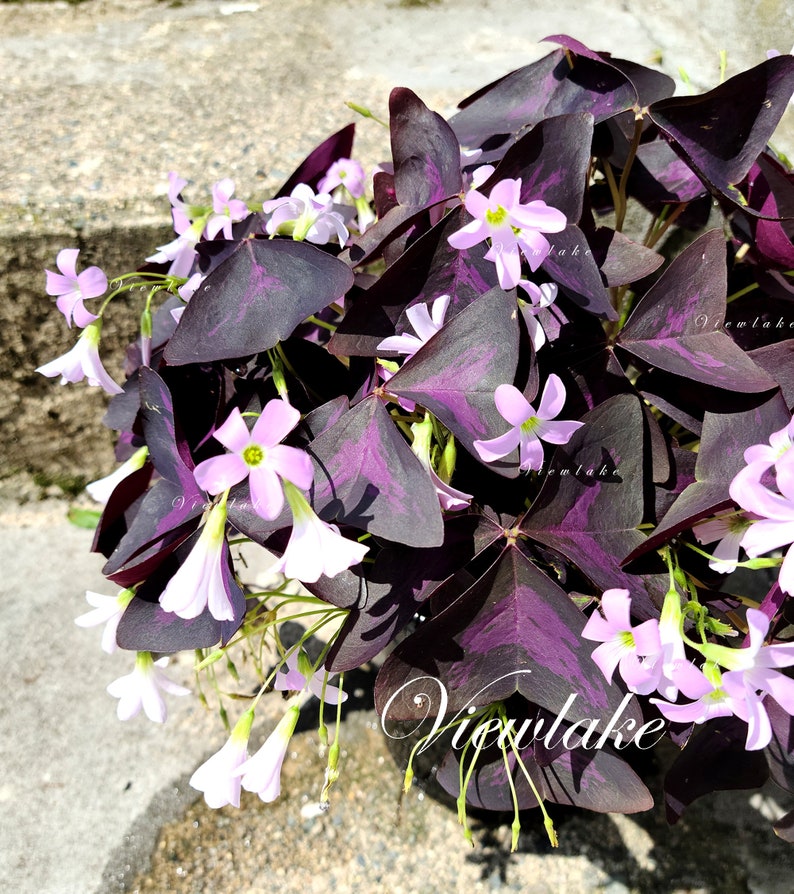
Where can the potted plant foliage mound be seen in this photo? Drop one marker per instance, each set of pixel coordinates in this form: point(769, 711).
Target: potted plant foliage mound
point(512, 411)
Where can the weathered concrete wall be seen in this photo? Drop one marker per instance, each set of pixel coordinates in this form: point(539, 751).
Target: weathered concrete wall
point(54, 431)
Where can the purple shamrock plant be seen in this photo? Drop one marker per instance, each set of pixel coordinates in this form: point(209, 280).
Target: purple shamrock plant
point(328, 376)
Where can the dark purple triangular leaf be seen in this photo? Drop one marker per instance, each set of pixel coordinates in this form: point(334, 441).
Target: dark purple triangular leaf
point(391, 591)
point(255, 299)
point(651, 85)
point(682, 475)
point(720, 457)
point(666, 327)
point(456, 373)
point(714, 759)
point(572, 266)
point(771, 188)
point(551, 161)
point(722, 132)
point(120, 509)
point(620, 260)
point(425, 151)
point(659, 175)
point(161, 522)
point(145, 626)
point(367, 476)
point(376, 239)
point(591, 504)
point(559, 84)
point(429, 268)
point(778, 361)
point(514, 630)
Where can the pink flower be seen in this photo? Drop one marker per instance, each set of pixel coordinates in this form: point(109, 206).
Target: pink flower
point(775, 526)
point(227, 210)
point(425, 326)
point(300, 675)
point(141, 689)
point(314, 546)
point(181, 252)
point(729, 530)
point(512, 227)
point(752, 674)
point(711, 699)
point(529, 426)
point(540, 296)
point(200, 582)
point(262, 772)
point(304, 215)
point(108, 611)
point(218, 776)
point(259, 456)
point(82, 362)
point(623, 645)
point(101, 489)
point(73, 288)
point(344, 172)
point(761, 457)
point(175, 186)
point(755, 654)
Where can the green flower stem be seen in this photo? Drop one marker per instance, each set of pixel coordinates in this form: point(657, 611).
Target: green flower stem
point(322, 323)
point(130, 281)
point(666, 221)
point(332, 770)
point(760, 562)
point(516, 826)
point(620, 210)
point(365, 113)
point(548, 823)
point(277, 363)
point(465, 781)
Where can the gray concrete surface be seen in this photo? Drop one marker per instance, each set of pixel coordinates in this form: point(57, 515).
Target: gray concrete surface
point(100, 100)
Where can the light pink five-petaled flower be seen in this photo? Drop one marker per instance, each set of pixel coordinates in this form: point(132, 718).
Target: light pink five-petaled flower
point(258, 455)
point(315, 547)
point(304, 215)
point(775, 526)
point(72, 288)
point(514, 228)
point(530, 426)
point(623, 646)
point(425, 324)
point(261, 773)
point(227, 210)
point(141, 689)
point(299, 675)
point(344, 172)
point(82, 362)
point(217, 777)
point(751, 674)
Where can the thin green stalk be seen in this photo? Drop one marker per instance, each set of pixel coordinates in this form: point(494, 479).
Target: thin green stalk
point(620, 211)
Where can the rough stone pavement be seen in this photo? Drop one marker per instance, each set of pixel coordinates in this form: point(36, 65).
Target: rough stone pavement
point(100, 100)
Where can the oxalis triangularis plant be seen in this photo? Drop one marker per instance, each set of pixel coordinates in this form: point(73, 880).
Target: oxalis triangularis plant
point(487, 430)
